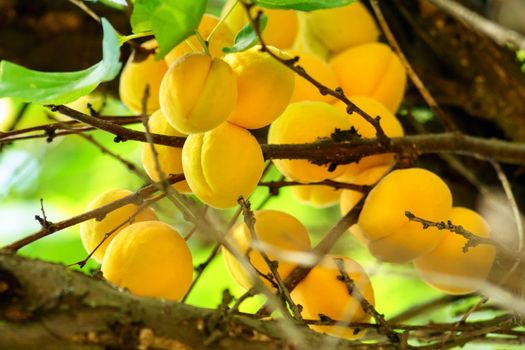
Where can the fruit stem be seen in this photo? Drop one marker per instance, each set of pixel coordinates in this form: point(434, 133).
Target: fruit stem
point(221, 21)
point(203, 42)
point(125, 38)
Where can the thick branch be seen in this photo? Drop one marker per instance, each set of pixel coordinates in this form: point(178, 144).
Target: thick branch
point(47, 306)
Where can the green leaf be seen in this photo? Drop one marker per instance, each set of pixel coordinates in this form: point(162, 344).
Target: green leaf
point(246, 37)
point(302, 5)
point(142, 15)
point(58, 88)
point(172, 21)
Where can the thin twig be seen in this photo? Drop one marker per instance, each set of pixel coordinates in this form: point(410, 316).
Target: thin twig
point(86, 9)
point(447, 122)
point(128, 164)
point(336, 185)
point(201, 267)
point(249, 221)
point(463, 319)
point(108, 234)
point(472, 240)
point(368, 308)
point(99, 213)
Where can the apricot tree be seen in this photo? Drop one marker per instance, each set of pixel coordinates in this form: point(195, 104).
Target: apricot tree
point(272, 94)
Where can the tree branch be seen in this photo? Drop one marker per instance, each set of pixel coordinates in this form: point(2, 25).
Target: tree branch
point(46, 306)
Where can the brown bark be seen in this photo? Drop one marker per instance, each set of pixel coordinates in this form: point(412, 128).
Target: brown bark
point(47, 306)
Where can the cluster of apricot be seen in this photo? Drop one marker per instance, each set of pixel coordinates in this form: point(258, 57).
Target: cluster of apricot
point(137, 250)
point(438, 255)
point(214, 99)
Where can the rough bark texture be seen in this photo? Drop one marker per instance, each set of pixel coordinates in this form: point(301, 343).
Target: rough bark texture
point(47, 306)
point(464, 70)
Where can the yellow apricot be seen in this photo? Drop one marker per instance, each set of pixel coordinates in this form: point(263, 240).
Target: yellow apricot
point(343, 27)
point(197, 93)
point(372, 70)
point(358, 234)
point(223, 37)
point(170, 158)
point(279, 235)
point(281, 28)
point(222, 164)
point(319, 70)
point(265, 87)
point(389, 124)
point(393, 238)
point(304, 122)
point(451, 270)
point(317, 196)
point(93, 231)
point(150, 259)
point(137, 75)
point(306, 42)
point(321, 292)
point(350, 198)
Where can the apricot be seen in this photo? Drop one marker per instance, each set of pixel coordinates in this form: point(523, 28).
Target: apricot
point(321, 292)
point(93, 231)
point(304, 122)
point(281, 28)
point(372, 70)
point(319, 70)
point(222, 164)
point(343, 27)
point(279, 235)
point(170, 158)
point(265, 87)
point(198, 93)
point(318, 196)
point(223, 37)
point(150, 259)
point(137, 75)
point(390, 126)
point(306, 42)
point(393, 238)
point(451, 270)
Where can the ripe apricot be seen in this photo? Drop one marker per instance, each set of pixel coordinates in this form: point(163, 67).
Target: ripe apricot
point(372, 70)
point(319, 70)
point(170, 158)
point(150, 259)
point(393, 238)
point(265, 87)
point(317, 196)
point(321, 292)
point(93, 231)
point(197, 93)
point(223, 37)
point(137, 75)
point(306, 42)
point(222, 164)
point(281, 28)
point(279, 235)
point(343, 27)
point(390, 126)
point(304, 122)
point(447, 267)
